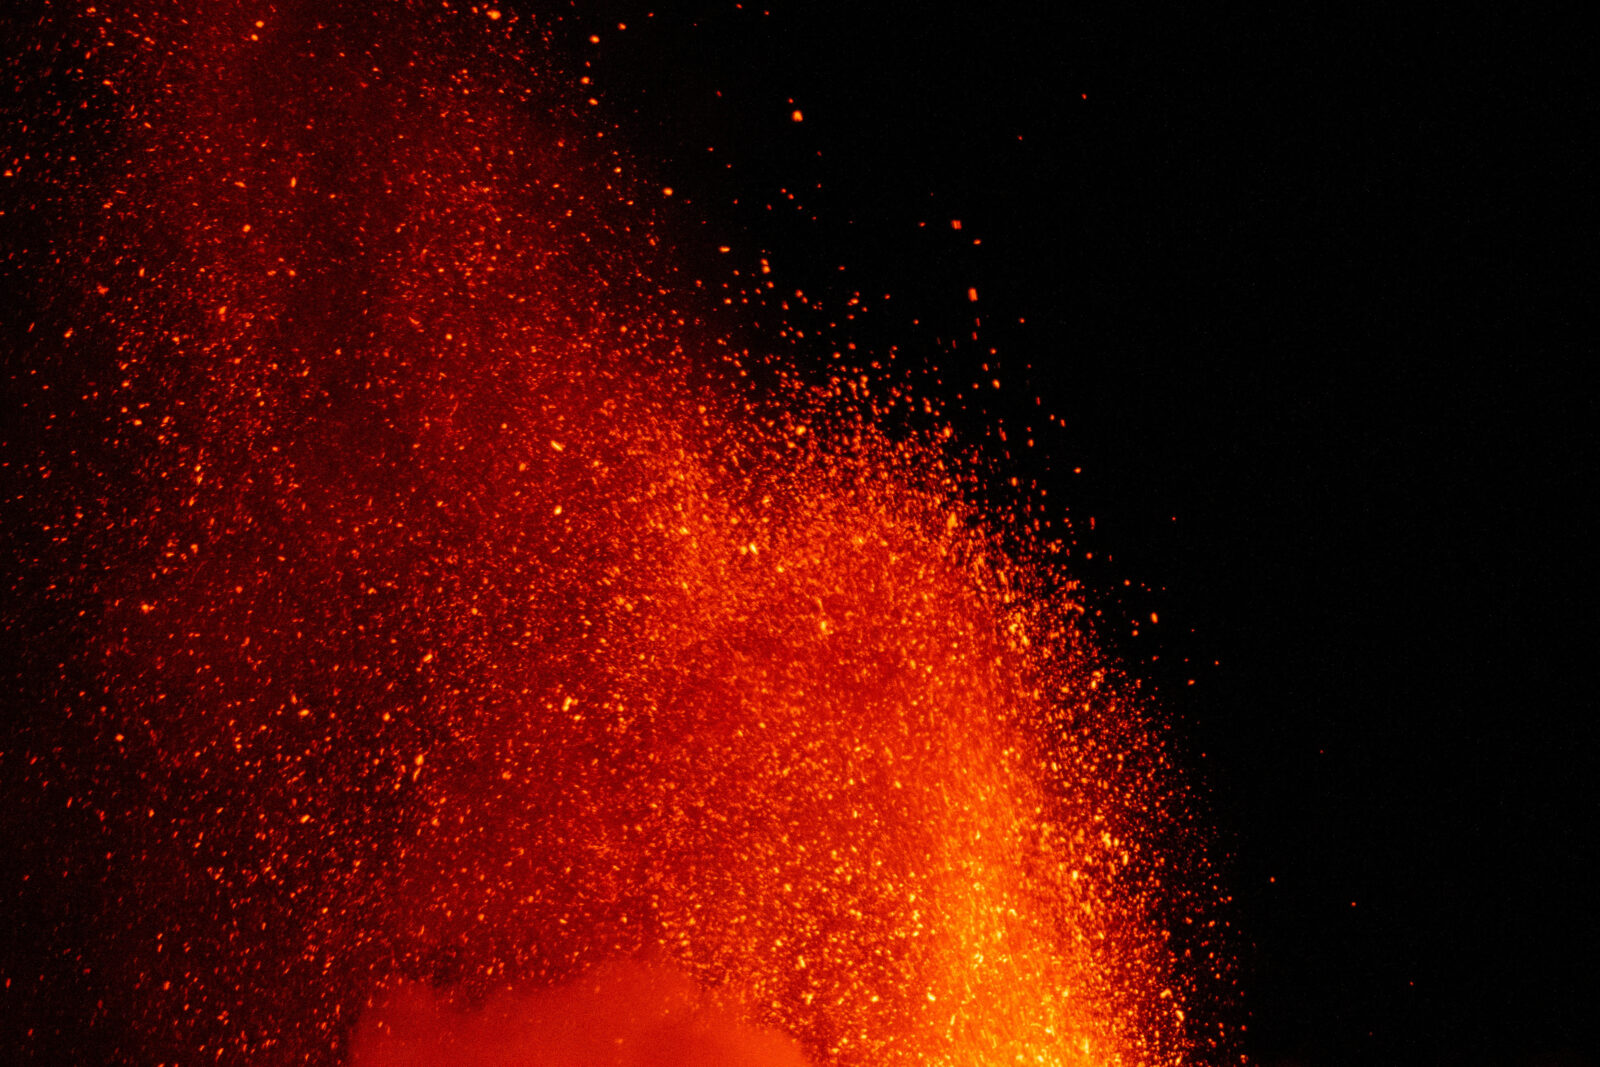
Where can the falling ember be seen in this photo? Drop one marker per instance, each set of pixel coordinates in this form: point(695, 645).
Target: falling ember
point(440, 655)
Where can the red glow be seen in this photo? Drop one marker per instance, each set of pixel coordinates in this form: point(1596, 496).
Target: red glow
point(465, 626)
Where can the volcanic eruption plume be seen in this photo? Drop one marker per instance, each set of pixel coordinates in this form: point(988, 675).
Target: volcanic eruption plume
point(429, 643)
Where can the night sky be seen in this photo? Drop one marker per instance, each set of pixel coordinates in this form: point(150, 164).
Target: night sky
point(1286, 288)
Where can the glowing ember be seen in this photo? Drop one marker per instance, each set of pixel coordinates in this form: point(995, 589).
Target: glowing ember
point(462, 662)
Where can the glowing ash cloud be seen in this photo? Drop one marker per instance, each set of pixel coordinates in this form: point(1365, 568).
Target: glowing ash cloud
point(440, 618)
point(620, 1015)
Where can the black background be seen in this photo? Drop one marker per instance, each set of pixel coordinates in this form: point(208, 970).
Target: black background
point(1301, 292)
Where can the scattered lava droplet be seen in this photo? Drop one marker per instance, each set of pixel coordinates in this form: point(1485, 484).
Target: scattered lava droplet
point(441, 639)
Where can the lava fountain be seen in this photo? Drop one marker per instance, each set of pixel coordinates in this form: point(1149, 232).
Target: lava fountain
point(432, 645)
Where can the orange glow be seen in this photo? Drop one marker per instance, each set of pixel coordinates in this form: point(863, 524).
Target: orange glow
point(471, 630)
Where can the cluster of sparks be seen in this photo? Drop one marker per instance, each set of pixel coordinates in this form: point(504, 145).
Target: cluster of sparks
point(426, 614)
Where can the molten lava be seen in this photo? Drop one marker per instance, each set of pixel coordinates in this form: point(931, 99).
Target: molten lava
point(462, 660)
